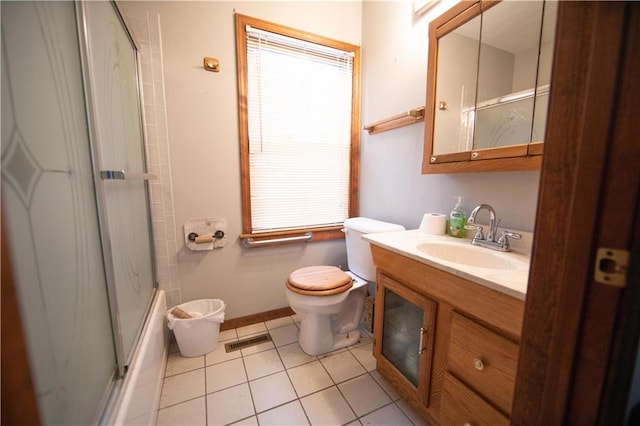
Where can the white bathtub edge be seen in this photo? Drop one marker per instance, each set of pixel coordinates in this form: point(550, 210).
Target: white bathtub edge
point(139, 397)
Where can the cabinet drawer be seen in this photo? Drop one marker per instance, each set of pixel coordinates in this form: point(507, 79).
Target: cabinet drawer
point(462, 406)
point(484, 360)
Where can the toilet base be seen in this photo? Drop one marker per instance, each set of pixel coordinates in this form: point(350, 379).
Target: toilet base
point(328, 323)
point(338, 341)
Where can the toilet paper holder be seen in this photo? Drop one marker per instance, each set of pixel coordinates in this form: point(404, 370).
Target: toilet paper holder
point(198, 239)
point(206, 233)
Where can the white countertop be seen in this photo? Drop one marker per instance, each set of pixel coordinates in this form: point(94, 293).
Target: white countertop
point(509, 281)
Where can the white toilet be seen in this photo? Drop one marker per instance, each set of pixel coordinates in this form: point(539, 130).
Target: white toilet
point(328, 300)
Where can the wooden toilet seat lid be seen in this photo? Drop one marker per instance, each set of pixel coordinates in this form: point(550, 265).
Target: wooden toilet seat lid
point(319, 281)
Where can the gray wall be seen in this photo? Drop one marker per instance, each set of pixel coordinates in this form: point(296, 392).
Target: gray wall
point(202, 123)
point(204, 161)
point(394, 45)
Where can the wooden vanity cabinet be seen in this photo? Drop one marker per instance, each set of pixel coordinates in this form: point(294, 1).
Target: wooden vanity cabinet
point(484, 359)
point(462, 406)
point(404, 349)
point(470, 341)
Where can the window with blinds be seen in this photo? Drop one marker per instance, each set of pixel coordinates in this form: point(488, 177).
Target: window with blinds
point(299, 130)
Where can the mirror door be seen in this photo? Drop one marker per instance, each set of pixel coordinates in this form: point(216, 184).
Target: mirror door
point(456, 94)
point(487, 86)
point(507, 74)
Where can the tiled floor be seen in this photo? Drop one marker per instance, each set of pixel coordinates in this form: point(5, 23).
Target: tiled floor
point(276, 383)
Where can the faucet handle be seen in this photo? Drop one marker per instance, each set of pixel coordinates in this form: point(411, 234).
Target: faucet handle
point(478, 235)
point(504, 238)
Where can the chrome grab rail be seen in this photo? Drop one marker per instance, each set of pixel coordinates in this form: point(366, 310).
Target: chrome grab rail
point(122, 175)
point(251, 243)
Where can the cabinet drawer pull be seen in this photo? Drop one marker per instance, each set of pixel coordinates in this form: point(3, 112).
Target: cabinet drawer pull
point(421, 348)
point(478, 364)
point(467, 424)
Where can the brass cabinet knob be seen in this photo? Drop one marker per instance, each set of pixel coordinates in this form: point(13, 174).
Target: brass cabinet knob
point(478, 364)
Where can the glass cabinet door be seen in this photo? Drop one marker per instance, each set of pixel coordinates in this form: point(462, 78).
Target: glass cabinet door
point(406, 329)
point(401, 332)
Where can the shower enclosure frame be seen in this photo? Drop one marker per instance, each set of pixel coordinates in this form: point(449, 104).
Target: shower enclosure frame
point(123, 356)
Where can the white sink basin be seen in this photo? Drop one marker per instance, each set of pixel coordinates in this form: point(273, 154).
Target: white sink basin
point(467, 255)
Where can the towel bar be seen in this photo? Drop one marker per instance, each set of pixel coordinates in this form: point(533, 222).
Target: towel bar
point(251, 243)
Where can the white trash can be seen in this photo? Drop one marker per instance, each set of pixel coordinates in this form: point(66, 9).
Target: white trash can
point(198, 335)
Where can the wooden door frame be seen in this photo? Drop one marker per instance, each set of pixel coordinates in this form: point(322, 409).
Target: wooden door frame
point(19, 404)
point(570, 352)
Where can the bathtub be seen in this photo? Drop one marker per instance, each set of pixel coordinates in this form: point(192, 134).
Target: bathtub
point(139, 397)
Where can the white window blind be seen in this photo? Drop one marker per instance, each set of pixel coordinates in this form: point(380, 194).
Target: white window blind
point(299, 98)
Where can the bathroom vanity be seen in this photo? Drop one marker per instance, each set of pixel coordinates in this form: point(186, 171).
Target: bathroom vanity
point(447, 329)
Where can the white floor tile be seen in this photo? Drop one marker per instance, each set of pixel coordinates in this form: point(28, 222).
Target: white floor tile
point(227, 335)
point(229, 405)
point(259, 327)
point(279, 322)
point(225, 374)
point(219, 354)
point(342, 366)
point(191, 412)
point(411, 413)
point(364, 340)
point(177, 364)
point(292, 355)
point(363, 394)
point(290, 414)
point(364, 354)
point(262, 364)
point(271, 391)
point(250, 421)
point(384, 384)
point(231, 388)
point(182, 387)
point(388, 415)
point(284, 335)
point(327, 407)
point(309, 378)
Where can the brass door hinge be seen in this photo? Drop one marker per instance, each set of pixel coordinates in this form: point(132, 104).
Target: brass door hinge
point(611, 267)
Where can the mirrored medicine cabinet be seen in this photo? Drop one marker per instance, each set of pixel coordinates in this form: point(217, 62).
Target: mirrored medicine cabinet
point(488, 86)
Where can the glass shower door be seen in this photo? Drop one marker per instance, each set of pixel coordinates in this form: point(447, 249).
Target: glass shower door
point(111, 70)
point(49, 213)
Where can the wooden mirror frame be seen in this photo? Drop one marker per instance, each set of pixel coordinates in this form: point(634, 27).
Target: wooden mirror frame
point(511, 158)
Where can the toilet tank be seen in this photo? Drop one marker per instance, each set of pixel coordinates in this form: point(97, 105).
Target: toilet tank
point(359, 257)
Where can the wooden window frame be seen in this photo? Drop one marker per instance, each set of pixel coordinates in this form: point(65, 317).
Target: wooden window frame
point(319, 233)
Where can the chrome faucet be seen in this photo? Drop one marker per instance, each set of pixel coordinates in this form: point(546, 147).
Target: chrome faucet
point(478, 239)
point(493, 224)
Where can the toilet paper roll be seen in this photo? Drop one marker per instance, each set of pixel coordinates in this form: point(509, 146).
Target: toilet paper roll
point(204, 239)
point(434, 224)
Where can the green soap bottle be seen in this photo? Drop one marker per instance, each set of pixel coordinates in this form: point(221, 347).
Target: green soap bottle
point(457, 220)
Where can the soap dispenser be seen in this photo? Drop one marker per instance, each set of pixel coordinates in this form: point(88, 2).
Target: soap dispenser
point(457, 220)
